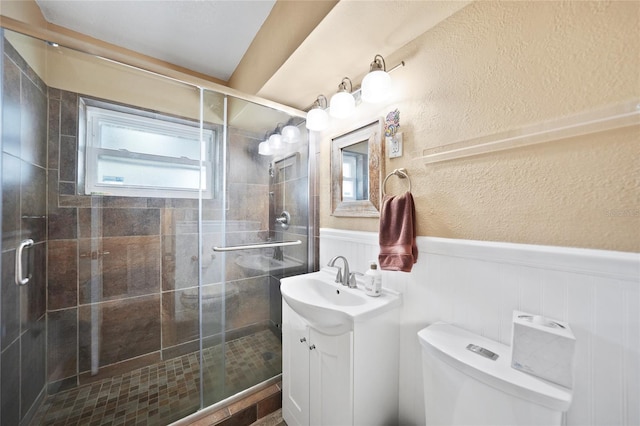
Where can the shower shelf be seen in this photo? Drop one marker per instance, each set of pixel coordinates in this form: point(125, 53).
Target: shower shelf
point(258, 246)
point(613, 117)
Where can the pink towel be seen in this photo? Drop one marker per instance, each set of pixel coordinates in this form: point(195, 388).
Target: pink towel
point(398, 250)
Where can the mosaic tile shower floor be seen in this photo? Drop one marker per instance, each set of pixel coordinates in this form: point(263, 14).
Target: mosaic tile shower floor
point(165, 392)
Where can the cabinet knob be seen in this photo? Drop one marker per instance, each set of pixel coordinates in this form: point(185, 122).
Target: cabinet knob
point(312, 347)
point(304, 339)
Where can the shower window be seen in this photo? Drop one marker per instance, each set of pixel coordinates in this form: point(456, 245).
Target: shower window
point(134, 153)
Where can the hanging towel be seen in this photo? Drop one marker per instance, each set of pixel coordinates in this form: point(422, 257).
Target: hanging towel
point(398, 250)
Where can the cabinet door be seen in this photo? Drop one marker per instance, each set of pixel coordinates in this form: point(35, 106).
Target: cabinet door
point(331, 379)
point(295, 368)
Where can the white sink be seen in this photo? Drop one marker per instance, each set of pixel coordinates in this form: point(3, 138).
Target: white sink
point(329, 306)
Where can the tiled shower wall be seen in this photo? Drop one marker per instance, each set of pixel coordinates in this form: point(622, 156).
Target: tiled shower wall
point(289, 191)
point(136, 274)
point(24, 156)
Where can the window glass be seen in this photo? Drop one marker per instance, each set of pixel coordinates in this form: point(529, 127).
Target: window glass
point(131, 153)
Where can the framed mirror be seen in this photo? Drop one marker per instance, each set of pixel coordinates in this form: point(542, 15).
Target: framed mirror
point(357, 169)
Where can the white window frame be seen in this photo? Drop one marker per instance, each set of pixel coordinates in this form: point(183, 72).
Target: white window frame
point(95, 113)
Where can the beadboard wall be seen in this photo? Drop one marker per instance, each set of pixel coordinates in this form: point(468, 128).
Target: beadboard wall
point(477, 285)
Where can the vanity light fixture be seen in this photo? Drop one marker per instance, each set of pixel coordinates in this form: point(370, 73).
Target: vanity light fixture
point(275, 142)
point(342, 104)
point(376, 84)
point(263, 147)
point(317, 117)
point(290, 134)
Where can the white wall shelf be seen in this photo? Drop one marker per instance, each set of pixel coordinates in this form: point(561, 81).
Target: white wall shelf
point(612, 117)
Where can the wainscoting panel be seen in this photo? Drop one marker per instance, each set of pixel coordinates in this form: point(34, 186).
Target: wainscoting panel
point(477, 285)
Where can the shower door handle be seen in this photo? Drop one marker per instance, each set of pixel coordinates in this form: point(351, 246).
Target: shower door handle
point(23, 245)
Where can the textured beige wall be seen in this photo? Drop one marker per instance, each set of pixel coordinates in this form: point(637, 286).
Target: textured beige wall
point(286, 27)
point(498, 66)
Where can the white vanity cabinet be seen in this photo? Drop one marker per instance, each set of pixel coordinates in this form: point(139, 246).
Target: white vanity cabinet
point(348, 378)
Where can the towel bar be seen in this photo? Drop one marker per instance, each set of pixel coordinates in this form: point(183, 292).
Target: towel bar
point(258, 246)
point(401, 173)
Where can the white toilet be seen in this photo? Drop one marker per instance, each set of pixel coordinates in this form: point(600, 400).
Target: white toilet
point(464, 386)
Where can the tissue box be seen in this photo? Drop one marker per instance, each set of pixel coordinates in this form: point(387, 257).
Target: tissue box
point(543, 347)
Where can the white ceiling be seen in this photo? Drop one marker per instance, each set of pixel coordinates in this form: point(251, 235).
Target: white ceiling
point(212, 36)
point(209, 37)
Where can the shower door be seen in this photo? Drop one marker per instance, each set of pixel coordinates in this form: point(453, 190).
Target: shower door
point(243, 236)
point(119, 188)
point(103, 169)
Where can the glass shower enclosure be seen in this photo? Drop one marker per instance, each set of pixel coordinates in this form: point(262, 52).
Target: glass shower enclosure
point(143, 239)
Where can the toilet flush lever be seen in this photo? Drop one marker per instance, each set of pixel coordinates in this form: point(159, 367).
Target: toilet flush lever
point(482, 351)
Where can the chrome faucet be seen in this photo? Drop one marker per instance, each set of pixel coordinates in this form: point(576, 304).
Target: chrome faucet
point(342, 278)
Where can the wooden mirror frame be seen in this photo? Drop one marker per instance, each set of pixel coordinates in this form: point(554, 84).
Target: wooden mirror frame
point(372, 133)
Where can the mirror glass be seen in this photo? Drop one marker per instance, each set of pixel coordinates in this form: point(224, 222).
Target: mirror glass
point(355, 172)
point(356, 169)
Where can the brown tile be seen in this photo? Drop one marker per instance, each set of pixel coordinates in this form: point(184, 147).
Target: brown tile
point(33, 123)
point(73, 200)
point(53, 142)
point(62, 344)
point(62, 223)
point(68, 114)
point(11, 221)
point(212, 419)
point(242, 418)
point(269, 405)
point(247, 302)
point(53, 93)
point(128, 328)
point(33, 295)
point(179, 261)
point(248, 202)
point(176, 221)
point(272, 419)
point(159, 392)
point(63, 274)
point(33, 364)
point(179, 350)
point(10, 298)
point(253, 399)
point(182, 203)
point(241, 150)
point(67, 188)
point(33, 182)
point(68, 159)
point(11, 120)
point(124, 222)
point(180, 317)
point(212, 308)
point(9, 383)
point(130, 267)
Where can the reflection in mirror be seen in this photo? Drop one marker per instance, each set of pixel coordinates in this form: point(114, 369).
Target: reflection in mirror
point(355, 172)
point(356, 168)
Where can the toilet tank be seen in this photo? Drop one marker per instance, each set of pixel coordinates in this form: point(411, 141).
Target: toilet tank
point(465, 387)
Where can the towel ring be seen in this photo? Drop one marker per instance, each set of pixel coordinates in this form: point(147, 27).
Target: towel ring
point(401, 173)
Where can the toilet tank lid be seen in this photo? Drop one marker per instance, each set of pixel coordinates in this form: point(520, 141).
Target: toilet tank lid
point(449, 344)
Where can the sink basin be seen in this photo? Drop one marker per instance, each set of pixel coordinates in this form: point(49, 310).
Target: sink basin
point(331, 307)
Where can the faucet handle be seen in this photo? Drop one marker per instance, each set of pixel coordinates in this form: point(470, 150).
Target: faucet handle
point(339, 275)
point(352, 279)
